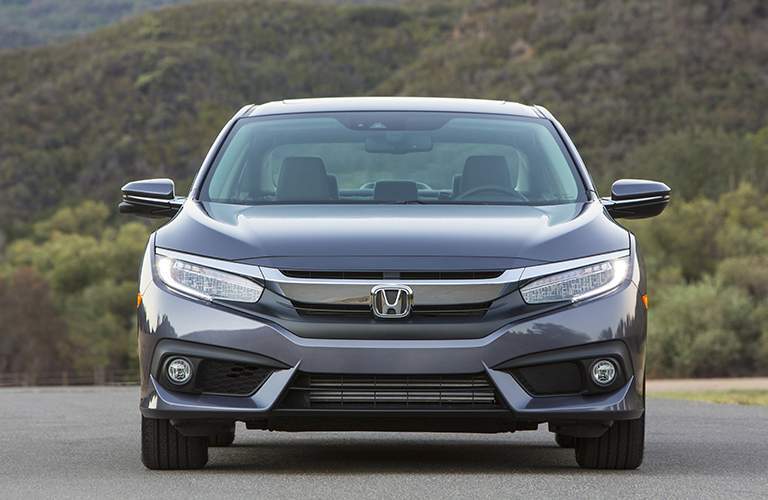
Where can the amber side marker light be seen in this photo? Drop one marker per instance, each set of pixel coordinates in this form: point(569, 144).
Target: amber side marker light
point(644, 298)
point(138, 300)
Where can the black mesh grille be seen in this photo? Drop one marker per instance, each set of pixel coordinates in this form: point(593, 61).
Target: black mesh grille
point(554, 378)
point(392, 392)
point(226, 377)
point(378, 275)
point(451, 275)
point(362, 310)
point(334, 275)
point(465, 310)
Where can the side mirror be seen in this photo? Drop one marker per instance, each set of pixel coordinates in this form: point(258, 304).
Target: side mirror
point(637, 199)
point(150, 198)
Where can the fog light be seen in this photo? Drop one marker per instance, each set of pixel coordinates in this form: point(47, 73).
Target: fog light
point(179, 371)
point(603, 372)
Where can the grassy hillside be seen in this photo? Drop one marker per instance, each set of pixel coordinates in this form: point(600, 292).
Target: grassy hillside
point(147, 96)
point(25, 23)
point(618, 74)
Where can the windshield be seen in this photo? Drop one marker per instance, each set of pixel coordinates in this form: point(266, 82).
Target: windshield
point(392, 157)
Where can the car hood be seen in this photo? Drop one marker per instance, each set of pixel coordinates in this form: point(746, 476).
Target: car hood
point(392, 237)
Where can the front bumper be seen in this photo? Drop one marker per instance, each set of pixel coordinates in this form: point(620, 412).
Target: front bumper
point(624, 403)
point(594, 325)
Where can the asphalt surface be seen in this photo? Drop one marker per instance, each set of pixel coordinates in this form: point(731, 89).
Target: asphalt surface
point(82, 443)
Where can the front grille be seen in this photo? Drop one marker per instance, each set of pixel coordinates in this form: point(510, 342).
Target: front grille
point(376, 275)
point(468, 310)
point(448, 392)
point(230, 378)
point(364, 311)
point(451, 275)
point(334, 275)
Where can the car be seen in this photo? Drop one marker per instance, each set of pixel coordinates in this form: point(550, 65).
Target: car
point(392, 264)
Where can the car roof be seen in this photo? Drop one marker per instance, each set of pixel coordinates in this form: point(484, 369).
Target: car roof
point(336, 104)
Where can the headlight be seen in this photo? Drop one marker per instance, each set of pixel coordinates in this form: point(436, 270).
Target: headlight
point(577, 284)
point(206, 283)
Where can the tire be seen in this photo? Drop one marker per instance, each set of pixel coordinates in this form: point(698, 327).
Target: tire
point(222, 439)
point(565, 441)
point(165, 448)
point(621, 447)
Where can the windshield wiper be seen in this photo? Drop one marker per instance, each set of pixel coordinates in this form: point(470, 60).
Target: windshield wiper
point(409, 202)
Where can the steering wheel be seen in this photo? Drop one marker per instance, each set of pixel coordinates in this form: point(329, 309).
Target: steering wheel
point(491, 189)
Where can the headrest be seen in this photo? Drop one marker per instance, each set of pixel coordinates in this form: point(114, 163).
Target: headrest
point(249, 186)
point(487, 171)
point(333, 185)
point(456, 184)
point(303, 178)
point(395, 191)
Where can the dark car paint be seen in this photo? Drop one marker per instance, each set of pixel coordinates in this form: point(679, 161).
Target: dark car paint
point(637, 198)
point(154, 198)
point(392, 237)
point(383, 236)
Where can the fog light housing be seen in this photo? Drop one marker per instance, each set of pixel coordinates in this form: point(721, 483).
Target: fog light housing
point(603, 372)
point(179, 371)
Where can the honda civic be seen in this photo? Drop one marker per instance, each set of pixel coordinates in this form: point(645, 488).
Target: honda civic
point(392, 264)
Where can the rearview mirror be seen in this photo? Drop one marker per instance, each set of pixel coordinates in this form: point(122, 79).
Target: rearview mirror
point(398, 143)
point(637, 199)
point(150, 198)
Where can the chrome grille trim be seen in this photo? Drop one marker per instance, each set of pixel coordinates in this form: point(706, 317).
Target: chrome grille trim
point(358, 291)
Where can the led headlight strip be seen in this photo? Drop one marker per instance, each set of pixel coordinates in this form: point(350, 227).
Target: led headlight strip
point(578, 283)
point(205, 282)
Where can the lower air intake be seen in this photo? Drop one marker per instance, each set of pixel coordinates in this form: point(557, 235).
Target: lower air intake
point(230, 378)
point(392, 392)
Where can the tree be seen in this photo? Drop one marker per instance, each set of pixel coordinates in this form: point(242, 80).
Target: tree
point(31, 330)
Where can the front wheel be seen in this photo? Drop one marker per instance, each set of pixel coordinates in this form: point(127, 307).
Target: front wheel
point(564, 441)
point(165, 448)
point(222, 439)
point(621, 447)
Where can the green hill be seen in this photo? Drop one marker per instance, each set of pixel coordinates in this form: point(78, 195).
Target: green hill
point(619, 74)
point(146, 97)
point(25, 23)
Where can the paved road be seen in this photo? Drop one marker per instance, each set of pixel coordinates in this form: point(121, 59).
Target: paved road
point(75, 443)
